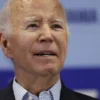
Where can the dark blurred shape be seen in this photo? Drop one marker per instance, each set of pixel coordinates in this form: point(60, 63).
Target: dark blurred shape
point(82, 16)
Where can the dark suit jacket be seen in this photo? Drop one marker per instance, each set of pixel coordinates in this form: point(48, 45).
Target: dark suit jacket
point(66, 94)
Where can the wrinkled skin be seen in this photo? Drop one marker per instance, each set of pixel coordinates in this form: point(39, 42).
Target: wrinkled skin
point(38, 26)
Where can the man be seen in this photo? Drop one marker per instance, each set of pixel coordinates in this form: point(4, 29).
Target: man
point(34, 35)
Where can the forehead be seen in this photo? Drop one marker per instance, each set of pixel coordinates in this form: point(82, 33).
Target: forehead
point(20, 8)
point(35, 3)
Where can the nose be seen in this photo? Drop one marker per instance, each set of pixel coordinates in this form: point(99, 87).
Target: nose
point(45, 34)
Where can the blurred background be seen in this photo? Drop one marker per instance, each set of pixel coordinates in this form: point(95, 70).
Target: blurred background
point(81, 70)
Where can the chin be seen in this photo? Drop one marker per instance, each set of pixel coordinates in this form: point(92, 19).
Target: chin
point(51, 70)
point(46, 69)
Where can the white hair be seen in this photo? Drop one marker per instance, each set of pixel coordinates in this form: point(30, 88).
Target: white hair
point(5, 24)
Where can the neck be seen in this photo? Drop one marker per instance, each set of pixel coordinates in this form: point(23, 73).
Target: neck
point(36, 84)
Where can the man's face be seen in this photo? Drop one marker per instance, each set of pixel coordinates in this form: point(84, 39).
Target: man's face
point(39, 39)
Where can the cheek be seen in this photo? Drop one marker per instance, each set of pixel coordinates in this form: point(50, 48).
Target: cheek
point(19, 45)
point(62, 42)
point(63, 50)
point(25, 40)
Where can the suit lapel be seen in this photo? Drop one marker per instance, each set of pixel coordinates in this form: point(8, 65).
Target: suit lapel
point(9, 92)
point(67, 94)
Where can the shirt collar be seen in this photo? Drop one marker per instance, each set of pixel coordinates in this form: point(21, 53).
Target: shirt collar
point(55, 90)
point(19, 91)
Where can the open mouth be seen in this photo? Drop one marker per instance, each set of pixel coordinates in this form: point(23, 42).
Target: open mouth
point(45, 53)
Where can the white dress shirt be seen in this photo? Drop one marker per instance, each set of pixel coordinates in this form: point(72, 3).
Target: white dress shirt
point(22, 94)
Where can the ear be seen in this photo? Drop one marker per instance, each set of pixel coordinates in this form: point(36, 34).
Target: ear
point(5, 44)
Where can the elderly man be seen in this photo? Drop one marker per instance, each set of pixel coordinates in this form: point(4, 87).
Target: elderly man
point(34, 34)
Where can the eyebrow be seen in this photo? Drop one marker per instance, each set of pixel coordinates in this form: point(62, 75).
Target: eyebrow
point(31, 19)
point(35, 19)
point(59, 21)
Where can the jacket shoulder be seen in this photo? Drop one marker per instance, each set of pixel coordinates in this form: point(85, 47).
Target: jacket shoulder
point(7, 93)
point(83, 97)
point(3, 93)
point(68, 94)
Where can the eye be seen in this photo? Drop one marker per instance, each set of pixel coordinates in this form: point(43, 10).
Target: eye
point(33, 26)
point(56, 26)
